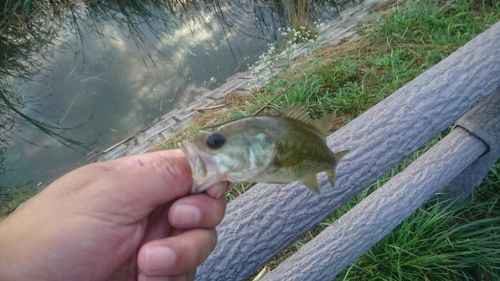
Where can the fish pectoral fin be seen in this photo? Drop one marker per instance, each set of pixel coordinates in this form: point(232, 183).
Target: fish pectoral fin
point(312, 183)
point(331, 176)
point(262, 150)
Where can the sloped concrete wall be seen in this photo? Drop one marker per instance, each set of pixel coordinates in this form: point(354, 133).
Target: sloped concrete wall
point(266, 219)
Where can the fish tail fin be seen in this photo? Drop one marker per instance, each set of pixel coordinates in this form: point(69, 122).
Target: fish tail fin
point(331, 173)
point(312, 183)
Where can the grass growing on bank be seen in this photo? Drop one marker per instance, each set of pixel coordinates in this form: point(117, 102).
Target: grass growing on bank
point(352, 77)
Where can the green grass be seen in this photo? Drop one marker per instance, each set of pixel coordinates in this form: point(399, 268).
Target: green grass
point(11, 198)
point(393, 50)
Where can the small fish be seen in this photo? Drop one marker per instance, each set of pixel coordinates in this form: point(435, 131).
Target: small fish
point(272, 149)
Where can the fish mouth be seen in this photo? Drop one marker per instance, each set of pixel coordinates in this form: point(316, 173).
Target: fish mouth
point(203, 168)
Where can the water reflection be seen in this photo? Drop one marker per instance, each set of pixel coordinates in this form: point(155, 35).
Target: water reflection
point(108, 69)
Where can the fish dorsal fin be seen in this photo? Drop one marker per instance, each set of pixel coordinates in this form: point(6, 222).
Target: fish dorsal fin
point(324, 124)
point(298, 112)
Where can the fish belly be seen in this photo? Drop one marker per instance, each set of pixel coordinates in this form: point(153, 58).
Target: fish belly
point(300, 171)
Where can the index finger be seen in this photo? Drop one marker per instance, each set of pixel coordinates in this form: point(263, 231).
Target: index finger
point(216, 191)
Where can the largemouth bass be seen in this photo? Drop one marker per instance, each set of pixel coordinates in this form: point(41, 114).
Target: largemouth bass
point(271, 149)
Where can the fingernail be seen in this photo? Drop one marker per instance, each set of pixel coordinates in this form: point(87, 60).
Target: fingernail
point(218, 190)
point(185, 214)
point(158, 258)
point(144, 277)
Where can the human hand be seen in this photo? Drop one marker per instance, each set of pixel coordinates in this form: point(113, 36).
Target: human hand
point(125, 219)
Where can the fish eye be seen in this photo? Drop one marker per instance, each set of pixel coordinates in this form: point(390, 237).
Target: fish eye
point(215, 140)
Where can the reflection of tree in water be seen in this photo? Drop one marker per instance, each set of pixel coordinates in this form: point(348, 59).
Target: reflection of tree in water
point(23, 32)
point(27, 29)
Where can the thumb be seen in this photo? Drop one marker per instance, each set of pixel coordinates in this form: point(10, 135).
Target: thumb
point(151, 179)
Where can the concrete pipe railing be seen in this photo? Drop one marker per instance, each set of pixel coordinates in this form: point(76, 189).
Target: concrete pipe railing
point(267, 218)
point(358, 230)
